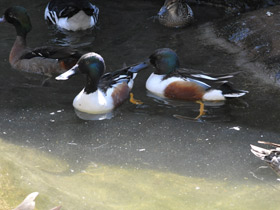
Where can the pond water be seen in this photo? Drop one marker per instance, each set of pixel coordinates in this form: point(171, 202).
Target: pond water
point(144, 157)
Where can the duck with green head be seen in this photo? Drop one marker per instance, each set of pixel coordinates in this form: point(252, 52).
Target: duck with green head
point(171, 81)
point(46, 60)
point(102, 92)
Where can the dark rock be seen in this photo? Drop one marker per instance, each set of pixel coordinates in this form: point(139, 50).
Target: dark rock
point(237, 6)
point(257, 32)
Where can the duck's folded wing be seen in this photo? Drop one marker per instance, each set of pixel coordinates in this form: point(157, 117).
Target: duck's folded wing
point(52, 52)
point(206, 80)
point(111, 78)
point(200, 75)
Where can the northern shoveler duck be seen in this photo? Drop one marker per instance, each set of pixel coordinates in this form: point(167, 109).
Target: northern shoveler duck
point(270, 156)
point(72, 15)
point(103, 92)
point(171, 81)
point(175, 14)
point(29, 203)
point(45, 60)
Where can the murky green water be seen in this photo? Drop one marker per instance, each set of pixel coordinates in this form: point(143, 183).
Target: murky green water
point(144, 157)
point(99, 186)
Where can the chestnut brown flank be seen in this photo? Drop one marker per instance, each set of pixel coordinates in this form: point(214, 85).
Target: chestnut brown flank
point(184, 90)
point(120, 93)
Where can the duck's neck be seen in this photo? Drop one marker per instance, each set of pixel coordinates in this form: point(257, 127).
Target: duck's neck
point(91, 85)
point(17, 49)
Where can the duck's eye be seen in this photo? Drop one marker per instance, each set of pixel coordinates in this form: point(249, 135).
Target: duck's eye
point(11, 15)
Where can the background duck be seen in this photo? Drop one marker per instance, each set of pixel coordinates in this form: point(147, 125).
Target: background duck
point(175, 13)
point(103, 92)
point(171, 81)
point(29, 203)
point(72, 15)
point(45, 60)
point(270, 156)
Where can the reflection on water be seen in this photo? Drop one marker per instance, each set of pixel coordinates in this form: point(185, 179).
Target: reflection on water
point(87, 116)
point(99, 186)
point(66, 38)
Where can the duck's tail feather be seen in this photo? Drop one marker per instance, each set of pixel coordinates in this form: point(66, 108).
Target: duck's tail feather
point(230, 92)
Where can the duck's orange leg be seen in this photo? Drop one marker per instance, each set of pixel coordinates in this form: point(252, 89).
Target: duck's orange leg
point(133, 100)
point(201, 109)
point(201, 113)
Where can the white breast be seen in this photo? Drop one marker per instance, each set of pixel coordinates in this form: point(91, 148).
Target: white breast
point(94, 103)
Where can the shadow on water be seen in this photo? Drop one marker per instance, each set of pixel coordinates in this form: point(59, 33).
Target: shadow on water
point(143, 157)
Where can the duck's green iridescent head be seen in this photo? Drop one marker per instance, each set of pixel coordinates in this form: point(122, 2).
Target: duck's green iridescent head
point(92, 64)
point(18, 16)
point(164, 60)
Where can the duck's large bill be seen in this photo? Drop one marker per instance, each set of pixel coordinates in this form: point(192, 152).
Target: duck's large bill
point(136, 68)
point(71, 72)
point(2, 19)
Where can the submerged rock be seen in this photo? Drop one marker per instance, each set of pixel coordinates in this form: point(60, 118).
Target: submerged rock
point(237, 6)
point(256, 32)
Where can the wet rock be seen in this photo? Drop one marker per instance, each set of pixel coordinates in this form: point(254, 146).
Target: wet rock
point(256, 32)
point(236, 6)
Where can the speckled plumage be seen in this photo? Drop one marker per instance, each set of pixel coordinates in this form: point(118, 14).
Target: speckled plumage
point(175, 14)
point(270, 156)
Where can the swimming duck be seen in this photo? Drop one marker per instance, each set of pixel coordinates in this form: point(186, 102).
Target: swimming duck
point(29, 204)
point(171, 81)
point(103, 92)
point(42, 60)
point(72, 15)
point(270, 156)
point(175, 14)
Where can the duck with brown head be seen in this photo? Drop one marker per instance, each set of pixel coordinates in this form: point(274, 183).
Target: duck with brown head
point(175, 14)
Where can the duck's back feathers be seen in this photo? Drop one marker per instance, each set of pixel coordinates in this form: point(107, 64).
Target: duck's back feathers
point(112, 78)
point(52, 52)
point(72, 15)
point(48, 60)
point(206, 80)
point(66, 8)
